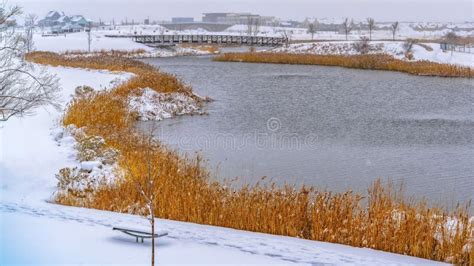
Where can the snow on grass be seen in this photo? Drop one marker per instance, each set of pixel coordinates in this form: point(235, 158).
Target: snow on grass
point(79, 42)
point(33, 231)
point(151, 105)
point(392, 48)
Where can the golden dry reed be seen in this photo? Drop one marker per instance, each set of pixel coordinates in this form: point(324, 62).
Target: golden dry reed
point(372, 62)
point(380, 220)
point(120, 53)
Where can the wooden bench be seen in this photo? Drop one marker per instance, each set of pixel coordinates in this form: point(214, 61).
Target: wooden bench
point(139, 234)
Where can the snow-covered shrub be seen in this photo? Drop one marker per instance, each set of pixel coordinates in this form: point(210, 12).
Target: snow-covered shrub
point(83, 91)
point(363, 46)
point(93, 148)
point(89, 148)
point(74, 182)
point(81, 183)
point(408, 48)
point(147, 104)
point(109, 156)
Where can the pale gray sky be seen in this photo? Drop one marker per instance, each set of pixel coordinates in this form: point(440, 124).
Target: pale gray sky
point(382, 10)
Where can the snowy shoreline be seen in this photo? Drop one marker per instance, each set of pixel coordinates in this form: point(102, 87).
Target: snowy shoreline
point(421, 51)
point(31, 157)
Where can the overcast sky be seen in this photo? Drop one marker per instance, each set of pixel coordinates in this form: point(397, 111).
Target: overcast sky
point(382, 10)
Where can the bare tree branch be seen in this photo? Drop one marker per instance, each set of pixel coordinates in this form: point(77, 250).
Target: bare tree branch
point(312, 28)
point(394, 28)
point(22, 87)
point(371, 26)
point(347, 26)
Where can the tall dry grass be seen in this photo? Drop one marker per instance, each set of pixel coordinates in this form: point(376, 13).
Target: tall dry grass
point(372, 62)
point(380, 219)
point(117, 53)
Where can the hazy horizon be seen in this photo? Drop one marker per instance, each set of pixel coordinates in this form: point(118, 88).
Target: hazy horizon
point(381, 10)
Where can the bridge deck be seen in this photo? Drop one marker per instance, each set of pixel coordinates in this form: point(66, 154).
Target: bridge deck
point(205, 39)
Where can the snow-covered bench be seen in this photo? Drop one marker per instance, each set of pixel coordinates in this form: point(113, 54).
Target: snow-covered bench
point(140, 234)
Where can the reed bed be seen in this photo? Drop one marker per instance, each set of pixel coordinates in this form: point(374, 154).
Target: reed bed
point(372, 62)
point(380, 219)
point(119, 53)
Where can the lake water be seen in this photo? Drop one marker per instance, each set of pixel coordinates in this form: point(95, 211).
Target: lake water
point(329, 127)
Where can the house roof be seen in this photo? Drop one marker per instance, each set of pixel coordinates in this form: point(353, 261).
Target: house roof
point(77, 18)
point(63, 19)
point(52, 14)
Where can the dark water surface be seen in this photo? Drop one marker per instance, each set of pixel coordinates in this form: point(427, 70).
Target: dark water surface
point(330, 127)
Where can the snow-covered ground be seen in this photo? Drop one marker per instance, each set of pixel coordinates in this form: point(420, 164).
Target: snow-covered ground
point(392, 48)
point(33, 231)
point(99, 42)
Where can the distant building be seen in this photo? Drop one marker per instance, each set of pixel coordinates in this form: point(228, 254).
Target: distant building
point(213, 17)
point(147, 21)
point(290, 24)
point(182, 20)
point(79, 20)
point(60, 23)
point(236, 18)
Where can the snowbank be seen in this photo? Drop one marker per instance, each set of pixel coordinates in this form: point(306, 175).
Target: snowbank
point(79, 42)
point(148, 104)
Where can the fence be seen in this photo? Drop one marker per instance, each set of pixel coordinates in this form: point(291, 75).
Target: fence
point(462, 48)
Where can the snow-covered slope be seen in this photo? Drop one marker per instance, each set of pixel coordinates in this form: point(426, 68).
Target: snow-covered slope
point(33, 231)
point(393, 48)
point(99, 42)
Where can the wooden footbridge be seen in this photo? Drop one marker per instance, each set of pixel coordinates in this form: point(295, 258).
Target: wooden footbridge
point(204, 39)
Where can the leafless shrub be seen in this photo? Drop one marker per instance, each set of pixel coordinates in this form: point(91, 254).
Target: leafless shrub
point(30, 23)
point(408, 48)
point(362, 46)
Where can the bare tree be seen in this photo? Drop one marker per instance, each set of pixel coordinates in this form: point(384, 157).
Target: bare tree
point(394, 27)
point(287, 34)
point(275, 24)
point(451, 38)
point(408, 48)
point(162, 30)
point(312, 28)
point(371, 26)
point(30, 23)
point(146, 176)
point(250, 25)
point(22, 87)
point(347, 26)
point(256, 26)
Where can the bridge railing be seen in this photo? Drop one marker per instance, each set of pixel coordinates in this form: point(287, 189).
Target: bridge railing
point(204, 38)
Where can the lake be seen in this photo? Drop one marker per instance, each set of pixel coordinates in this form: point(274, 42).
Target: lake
point(329, 127)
